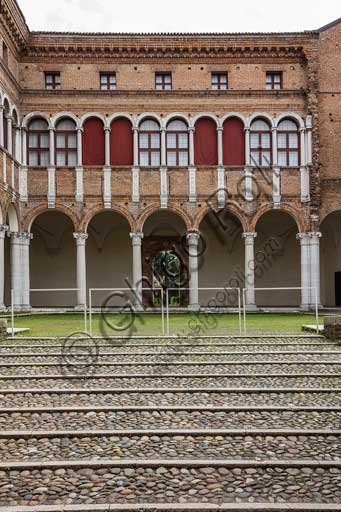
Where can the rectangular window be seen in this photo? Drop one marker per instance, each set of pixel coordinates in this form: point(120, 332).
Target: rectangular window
point(163, 81)
point(108, 81)
point(52, 80)
point(274, 80)
point(219, 81)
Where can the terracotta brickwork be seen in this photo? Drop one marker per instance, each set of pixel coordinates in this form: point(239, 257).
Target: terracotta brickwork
point(308, 61)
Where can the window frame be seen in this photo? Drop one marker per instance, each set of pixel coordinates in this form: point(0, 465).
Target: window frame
point(39, 150)
point(107, 84)
point(149, 150)
point(177, 149)
point(260, 149)
point(287, 150)
point(162, 86)
point(221, 86)
point(270, 81)
point(66, 150)
point(55, 85)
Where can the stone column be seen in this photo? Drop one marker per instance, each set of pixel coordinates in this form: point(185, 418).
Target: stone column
point(274, 146)
point(220, 145)
point(79, 147)
point(24, 146)
point(9, 134)
point(25, 261)
point(20, 269)
point(136, 146)
point(191, 146)
point(81, 269)
point(249, 241)
point(193, 239)
point(137, 268)
point(247, 146)
point(3, 230)
point(315, 266)
point(18, 151)
point(52, 148)
point(163, 148)
point(107, 131)
point(305, 269)
point(2, 135)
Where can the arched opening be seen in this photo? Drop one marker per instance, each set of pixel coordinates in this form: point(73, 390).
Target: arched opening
point(277, 259)
point(53, 260)
point(165, 258)
point(149, 143)
point(205, 142)
point(93, 142)
point(233, 142)
point(260, 143)
point(108, 254)
point(66, 143)
point(121, 142)
point(38, 143)
point(177, 143)
point(331, 260)
point(288, 143)
point(221, 258)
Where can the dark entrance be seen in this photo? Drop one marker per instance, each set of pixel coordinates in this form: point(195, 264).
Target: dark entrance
point(338, 289)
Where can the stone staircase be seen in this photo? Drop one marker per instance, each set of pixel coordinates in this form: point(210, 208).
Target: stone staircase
point(230, 424)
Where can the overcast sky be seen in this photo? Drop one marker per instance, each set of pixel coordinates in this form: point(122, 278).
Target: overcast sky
point(179, 15)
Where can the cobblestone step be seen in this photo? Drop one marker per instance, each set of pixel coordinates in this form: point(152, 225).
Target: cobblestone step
point(169, 480)
point(165, 419)
point(196, 380)
point(37, 445)
point(171, 369)
point(158, 397)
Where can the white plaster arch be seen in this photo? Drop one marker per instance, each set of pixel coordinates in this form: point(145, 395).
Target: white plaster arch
point(176, 115)
point(260, 115)
point(210, 115)
point(33, 115)
point(290, 115)
point(13, 220)
point(117, 115)
point(89, 115)
point(229, 115)
point(15, 109)
point(150, 115)
point(6, 98)
point(61, 115)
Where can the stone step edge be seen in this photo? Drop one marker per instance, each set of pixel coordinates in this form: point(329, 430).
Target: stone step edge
point(174, 336)
point(122, 345)
point(179, 507)
point(58, 376)
point(178, 353)
point(106, 391)
point(171, 363)
point(188, 408)
point(23, 434)
point(193, 463)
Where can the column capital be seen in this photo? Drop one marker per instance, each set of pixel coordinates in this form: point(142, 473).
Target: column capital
point(247, 129)
point(135, 128)
point(107, 129)
point(220, 128)
point(303, 237)
point(193, 236)
point(80, 238)
point(249, 237)
point(137, 238)
point(20, 237)
point(52, 129)
point(274, 128)
point(80, 129)
point(315, 234)
point(4, 228)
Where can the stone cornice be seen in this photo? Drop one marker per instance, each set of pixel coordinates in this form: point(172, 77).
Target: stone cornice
point(14, 24)
point(184, 51)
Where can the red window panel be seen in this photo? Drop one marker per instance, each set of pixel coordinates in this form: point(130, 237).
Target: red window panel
point(121, 142)
point(93, 142)
point(205, 142)
point(233, 142)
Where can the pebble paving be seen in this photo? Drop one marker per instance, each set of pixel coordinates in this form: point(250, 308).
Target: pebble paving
point(292, 470)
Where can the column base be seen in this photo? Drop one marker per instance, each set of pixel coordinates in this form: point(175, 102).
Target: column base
point(138, 308)
point(193, 307)
point(79, 307)
point(251, 307)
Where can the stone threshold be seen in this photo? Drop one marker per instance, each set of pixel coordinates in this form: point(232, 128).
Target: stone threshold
point(171, 363)
point(57, 376)
point(180, 337)
point(153, 463)
point(28, 434)
point(60, 391)
point(179, 507)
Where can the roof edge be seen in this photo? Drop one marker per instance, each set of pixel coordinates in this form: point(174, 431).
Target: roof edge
point(169, 34)
point(330, 25)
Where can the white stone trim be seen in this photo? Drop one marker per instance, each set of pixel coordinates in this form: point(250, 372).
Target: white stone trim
point(79, 195)
point(135, 183)
point(51, 187)
point(107, 194)
point(192, 184)
point(163, 187)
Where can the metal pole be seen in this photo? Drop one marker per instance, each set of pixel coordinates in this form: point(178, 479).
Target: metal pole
point(12, 311)
point(239, 312)
point(244, 308)
point(90, 312)
point(317, 312)
point(167, 311)
point(162, 314)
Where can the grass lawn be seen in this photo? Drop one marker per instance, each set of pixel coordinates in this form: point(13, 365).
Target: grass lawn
point(150, 324)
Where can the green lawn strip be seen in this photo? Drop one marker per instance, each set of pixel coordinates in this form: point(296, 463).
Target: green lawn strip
point(200, 324)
